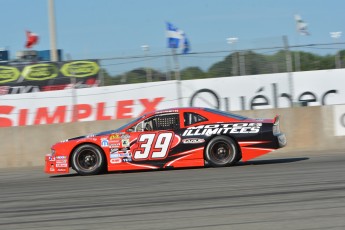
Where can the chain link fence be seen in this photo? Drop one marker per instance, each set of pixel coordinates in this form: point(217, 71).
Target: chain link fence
point(265, 56)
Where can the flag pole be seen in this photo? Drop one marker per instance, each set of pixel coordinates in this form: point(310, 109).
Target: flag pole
point(297, 57)
point(177, 77)
point(168, 66)
point(289, 69)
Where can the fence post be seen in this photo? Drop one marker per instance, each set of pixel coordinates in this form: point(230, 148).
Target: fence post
point(177, 78)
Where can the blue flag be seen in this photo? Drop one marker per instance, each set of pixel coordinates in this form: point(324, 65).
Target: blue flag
point(186, 45)
point(173, 36)
point(177, 38)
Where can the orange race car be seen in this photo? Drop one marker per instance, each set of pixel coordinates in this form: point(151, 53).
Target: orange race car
point(170, 138)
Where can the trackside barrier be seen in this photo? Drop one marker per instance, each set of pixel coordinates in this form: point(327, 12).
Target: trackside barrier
point(307, 129)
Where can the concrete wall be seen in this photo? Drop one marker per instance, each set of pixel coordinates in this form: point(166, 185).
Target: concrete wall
point(307, 129)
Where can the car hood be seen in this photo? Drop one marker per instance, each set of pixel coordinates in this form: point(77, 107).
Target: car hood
point(93, 135)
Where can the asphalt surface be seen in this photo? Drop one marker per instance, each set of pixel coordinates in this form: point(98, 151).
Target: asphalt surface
point(303, 191)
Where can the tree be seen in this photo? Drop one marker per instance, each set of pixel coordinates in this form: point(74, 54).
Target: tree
point(109, 80)
point(192, 73)
point(222, 68)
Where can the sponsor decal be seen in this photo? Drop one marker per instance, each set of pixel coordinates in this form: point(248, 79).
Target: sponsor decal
point(114, 145)
point(116, 161)
point(217, 129)
point(104, 142)
point(61, 165)
point(61, 161)
point(114, 155)
point(125, 142)
point(51, 158)
point(51, 169)
point(62, 170)
point(193, 141)
point(125, 136)
point(120, 154)
point(113, 150)
point(114, 141)
point(114, 136)
point(127, 159)
point(40, 72)
point(80, 69)
point(8, 74)
point(60, 157)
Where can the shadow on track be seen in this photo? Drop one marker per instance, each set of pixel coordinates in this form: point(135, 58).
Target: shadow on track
point(254, 162)
point(273, 161)
point(65, 175)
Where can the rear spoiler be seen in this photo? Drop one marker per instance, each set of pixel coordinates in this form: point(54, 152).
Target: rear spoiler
point(276, 127)
point(276, 120)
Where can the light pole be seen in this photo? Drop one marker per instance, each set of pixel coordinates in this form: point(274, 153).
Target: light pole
point(335, 36)
point(232, 41)
point(146, 49)
point(53, 51)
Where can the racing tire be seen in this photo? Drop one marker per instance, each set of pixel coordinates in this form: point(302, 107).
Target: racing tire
point(88, 159)
point(222, 151)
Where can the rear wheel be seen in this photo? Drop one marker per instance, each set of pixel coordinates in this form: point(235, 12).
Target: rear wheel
point(88, 159)
point(222, 151)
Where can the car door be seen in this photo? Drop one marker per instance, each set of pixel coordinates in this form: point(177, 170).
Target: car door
point(155, 137)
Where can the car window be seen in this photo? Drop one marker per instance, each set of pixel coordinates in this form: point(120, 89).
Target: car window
point(192, 118)
point(169, 121)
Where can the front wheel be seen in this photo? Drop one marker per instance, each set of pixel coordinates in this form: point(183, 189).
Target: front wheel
point(88, 159)
point(222, 151)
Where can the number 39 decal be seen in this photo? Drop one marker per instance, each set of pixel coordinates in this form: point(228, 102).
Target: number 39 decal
point(153, 146)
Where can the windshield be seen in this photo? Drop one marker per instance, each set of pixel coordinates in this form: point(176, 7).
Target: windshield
point(226, 114)
point(128, 124)
point(120, 128)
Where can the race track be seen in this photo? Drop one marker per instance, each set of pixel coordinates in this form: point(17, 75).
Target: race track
point(299, 191)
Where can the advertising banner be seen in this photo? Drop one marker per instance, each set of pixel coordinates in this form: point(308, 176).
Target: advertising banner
point(313, 88)
point(100, 103)
point(238, 93)
point(309, 88)
point(17, 78)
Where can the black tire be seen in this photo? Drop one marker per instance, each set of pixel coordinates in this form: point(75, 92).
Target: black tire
point(222, 151)
point(88, 159)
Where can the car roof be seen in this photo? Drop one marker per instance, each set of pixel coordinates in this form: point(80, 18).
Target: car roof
point(202, 110)
point(174, 110)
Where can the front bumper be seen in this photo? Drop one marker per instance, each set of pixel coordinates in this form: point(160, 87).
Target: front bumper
point(56, 164)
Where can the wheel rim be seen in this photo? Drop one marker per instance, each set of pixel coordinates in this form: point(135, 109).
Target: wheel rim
point(87, 159)
point(221, 152)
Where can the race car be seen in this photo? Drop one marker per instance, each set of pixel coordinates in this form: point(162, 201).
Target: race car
point(170, 138)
